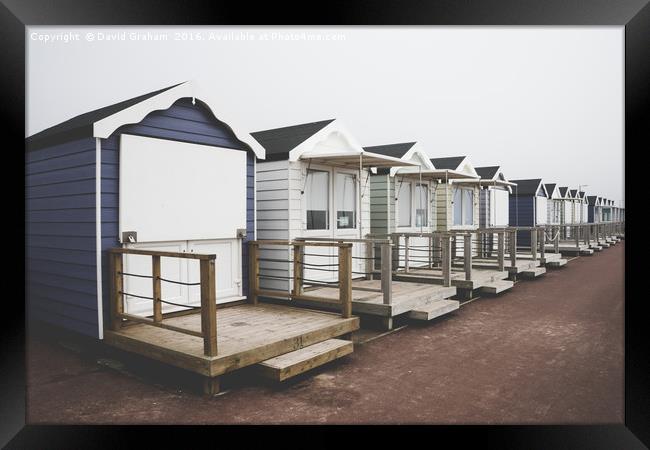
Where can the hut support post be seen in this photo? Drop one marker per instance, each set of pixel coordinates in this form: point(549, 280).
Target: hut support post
point(501, 250)
point(541, 233)
point(386, 272)
point(117, 298)
point(253, 272)
point(406, 254)
point(513, 248)
point(208, 307)
point(533, 243)
point(298, 269)
point(445, 242)
point(155, 278)
point(468, 255)
point(345, 279)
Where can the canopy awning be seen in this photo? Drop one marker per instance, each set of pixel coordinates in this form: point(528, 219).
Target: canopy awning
point(496, 183)
point(355, 159)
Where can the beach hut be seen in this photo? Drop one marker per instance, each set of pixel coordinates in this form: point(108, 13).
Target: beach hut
point(316, 185)
point(554, 205)
point(528, 207)
point(138, 216)
point(593, 209)
point(494, 197)
point(584, 207)
point(567, 217)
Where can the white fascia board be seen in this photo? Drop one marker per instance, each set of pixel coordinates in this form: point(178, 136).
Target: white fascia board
point(416, 152)
point(133, 114)
point(466, 161)
point(334, 127)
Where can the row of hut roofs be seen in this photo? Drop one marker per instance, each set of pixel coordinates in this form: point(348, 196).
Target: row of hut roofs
point(161, 173)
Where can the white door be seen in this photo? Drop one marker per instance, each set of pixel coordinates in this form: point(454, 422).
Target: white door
point(540, 216)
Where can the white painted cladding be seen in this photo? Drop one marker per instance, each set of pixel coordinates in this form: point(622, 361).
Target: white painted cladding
point(177, 191)
point(540, 210)
point(499, 207)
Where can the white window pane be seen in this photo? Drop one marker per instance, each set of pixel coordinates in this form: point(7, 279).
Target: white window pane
point(458, 205)
point(317, 200)
point(404, 204)
point(346, 199)
point(468, 206)
point(421, 205)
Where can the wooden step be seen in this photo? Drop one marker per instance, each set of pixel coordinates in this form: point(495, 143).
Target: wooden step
point(299, 361)
point(556, 263)
point(434, 309)
point(533, 273)
point(586, 252)
point(497, 286)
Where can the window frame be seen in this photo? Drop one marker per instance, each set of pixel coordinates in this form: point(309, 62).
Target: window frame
point(452, 205)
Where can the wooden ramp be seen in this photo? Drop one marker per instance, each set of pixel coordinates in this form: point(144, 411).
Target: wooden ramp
point(246, 334)
point(434, 309)
point(367, 300)
point(300, 361)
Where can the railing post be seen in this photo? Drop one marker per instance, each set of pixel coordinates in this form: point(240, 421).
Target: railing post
point(533, 243)
point(406, 254)
point(253, 272)
point(155, 278)
point(208, 307)
point(445, 242)
point(513, 248)
point(117, 284)
point(556, 241)
point(394, 257)
point(430, 252)
point(501, 250)
point(467, 255)
point(298, 269)
point(370, 267)
point(437, 244)
point(541, 233)
point(576, 237)
point(386, 272)
point(345, 279)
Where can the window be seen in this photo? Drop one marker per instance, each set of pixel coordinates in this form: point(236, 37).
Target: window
point(421, 205)
point(346, 200)
point(463, 206)
point(404, 204)
point(317, 198)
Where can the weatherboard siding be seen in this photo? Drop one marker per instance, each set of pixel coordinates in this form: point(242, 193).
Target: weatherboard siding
point(522, 214)
point(60, 235)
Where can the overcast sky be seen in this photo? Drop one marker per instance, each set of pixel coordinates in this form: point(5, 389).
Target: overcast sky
point(542, 102)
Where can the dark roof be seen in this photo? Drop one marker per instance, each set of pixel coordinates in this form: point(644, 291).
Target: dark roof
point(563, 190)
point(526, 187)
point(591, 199)
point(549, 188)
point(487, 172)
point(278, 142)
point(82, 125)
point(574, 193)
point(451, 162)
point(581, 194)
point(394, 150)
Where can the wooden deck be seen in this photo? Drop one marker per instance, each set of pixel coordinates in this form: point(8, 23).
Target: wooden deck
point(480, 277)
point(406, 296)
point(522, 263)
point(571, 249)
point(246, 334)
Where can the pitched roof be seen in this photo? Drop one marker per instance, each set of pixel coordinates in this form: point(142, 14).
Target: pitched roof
point(526, 187)
point(563, 190)
point(550, 187)
point(82, 124)
point(487, 172)
point(592, 199)
point(581, 194)
point(450, 162)
point(574, 193)
point(278, 142)
point(394, 150)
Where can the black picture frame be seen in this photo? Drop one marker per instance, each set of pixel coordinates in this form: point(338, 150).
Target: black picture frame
point(634, 15)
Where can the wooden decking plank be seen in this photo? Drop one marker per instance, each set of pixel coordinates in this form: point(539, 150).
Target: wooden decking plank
point(299, 361)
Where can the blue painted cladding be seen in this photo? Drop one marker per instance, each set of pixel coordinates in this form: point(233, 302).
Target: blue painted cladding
point(590, 213)
point(522, 213)
point(181, 122)
point(60, 235)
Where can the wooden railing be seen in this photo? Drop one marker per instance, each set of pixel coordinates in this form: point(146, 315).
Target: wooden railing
point(297, 291)
point(208, 307)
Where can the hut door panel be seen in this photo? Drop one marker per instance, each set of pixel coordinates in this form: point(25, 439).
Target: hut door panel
point(174, 269)
point(173, 191)
point(501, 213)
point(540, 212)
point(227, 268)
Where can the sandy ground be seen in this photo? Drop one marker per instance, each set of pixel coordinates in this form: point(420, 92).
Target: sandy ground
point(548, 351)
